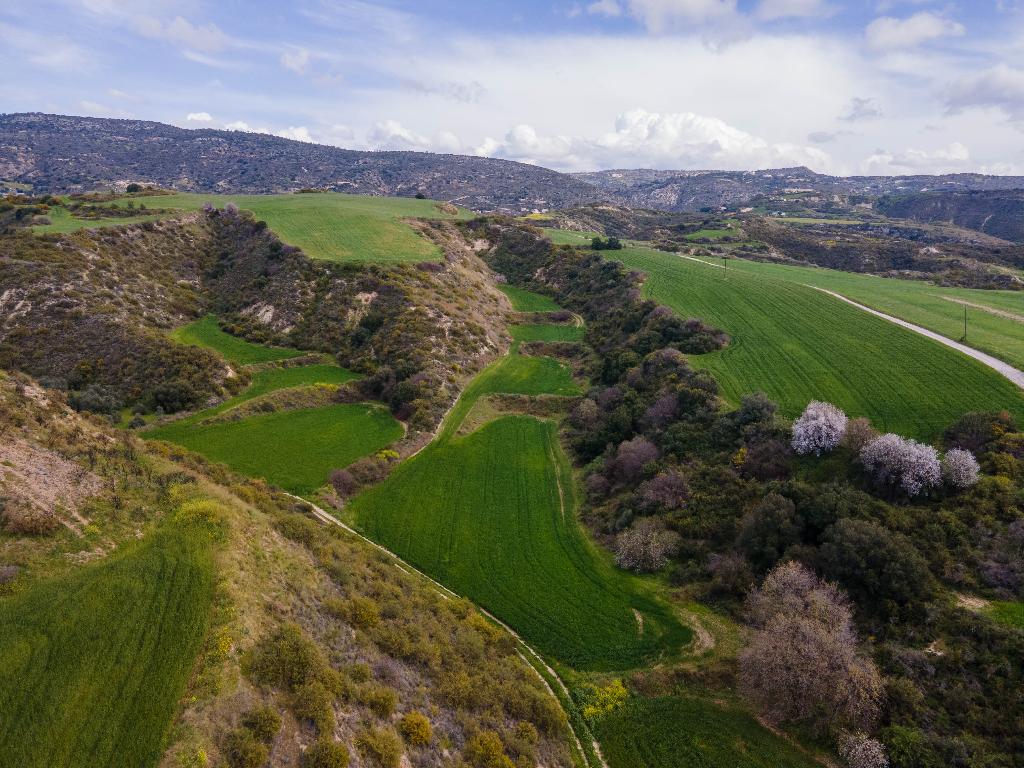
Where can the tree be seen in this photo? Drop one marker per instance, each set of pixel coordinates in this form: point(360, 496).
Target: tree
point(899, 461)
point(769, 529)
point(646, 546)
point(665, 492)
point(859, 750)
point(819, 428)
point(802, 664)
point(959, 468)
point(859, 433)
point(632, 456)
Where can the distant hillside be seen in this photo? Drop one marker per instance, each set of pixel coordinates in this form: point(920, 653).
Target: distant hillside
point(56, 153)
point(694, 190)
point(997, 213)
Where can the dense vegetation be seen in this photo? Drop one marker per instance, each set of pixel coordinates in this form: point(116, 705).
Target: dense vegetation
point(997, 213)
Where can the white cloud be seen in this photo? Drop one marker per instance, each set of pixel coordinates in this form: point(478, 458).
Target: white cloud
point(207, 38)
point(609, 8)
point(1000, 87)
point(298, 133)
point(949, 159)
point(650, 139)
point(199, 117)
point(660, 16)
point(209, 61)
point(296, 60)
point(95, 109)
point(238, 125)
point(887, 33)
point(391, 134)
point(860, 109)
point(45, 51)
point(771, 10)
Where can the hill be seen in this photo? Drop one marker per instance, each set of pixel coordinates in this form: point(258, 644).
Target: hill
point(60, 153)
point(998, 213)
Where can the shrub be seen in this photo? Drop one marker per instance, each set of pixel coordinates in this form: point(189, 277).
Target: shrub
point(959, 468)
point(415, 727)
point(313, 702)
point(895, 460)
point(768, 530)
point(380, 699)
point(286, 658)
point(344, 484)
point(381, 746)
point(819, 428)
point(646, 546)
point(95, 399)
point(859, 433)
point(27, 520)
point(485, 750)
point(326, 754)
point(243, 750)
point(665, 492)
point(263, 723)
point(632, 456)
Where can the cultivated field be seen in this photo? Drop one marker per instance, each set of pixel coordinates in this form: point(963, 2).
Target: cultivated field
point(523, 300)
point(61, 221)
point(798, 344)
point(685, 731)
point(205, 332)
point(294, 449)
point(92, 666)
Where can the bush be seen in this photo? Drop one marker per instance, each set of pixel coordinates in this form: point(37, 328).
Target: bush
point(960, 469)
point(287, 658)
point(326, 754)
point(899, 461)
point(859, 750)
point(243, 750)
point(313, 702)
point(263, 723)
point(95, 399)
point(485, 750)
point(381, 746)
point(380, 699)
point(27, 520)
point(819, 429)
point(416, 729)
point(859, 433)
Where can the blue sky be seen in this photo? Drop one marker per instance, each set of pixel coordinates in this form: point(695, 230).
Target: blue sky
point(843, 86)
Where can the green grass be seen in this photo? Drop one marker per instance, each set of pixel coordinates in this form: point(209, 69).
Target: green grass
point(527, 301)
point(295, 449)
point(547, 332)
point(713, 234)
point(205, 332)
point(61, 221)
point(1009, 613)
point(333, 226)
point(568, 237)
point(798, 344)
point(692, 732)
point(920, 302)
point(483, 514)
point(92, 666)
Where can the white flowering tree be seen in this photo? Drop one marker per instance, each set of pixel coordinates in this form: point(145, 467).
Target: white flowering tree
point(859, 750)
point(895, 460)
point(819, 428)
point(960, 469)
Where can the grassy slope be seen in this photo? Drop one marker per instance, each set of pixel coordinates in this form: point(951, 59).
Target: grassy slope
point(921, 303)
point(523, 300)
point(1011, 614)
point(205, 332)
point(483, 515)
point(295, 449)
point(86, 680)
point(684, 731)
point(333, 226)
point(62, 221)
point(798, 344)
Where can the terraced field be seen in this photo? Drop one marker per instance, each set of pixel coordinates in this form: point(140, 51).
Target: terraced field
point(798, 344)
point(206, 333)
point(685, 731)
point(92, 666)
point(523, 300)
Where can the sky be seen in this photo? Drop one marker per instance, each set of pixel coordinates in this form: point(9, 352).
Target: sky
point(841, 86)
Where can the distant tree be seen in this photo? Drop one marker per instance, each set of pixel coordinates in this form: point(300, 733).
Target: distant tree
point(420, 196)
point(899, 461)
point(646, 546)
point(859, 750)
point(132, 188)
point(819, 428)
point(959, 468)
point(802, 664)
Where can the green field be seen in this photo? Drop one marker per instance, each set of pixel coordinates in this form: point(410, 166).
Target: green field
point(713, 234)
point(926, 304)
point(492, 515)
point(205, 332)
point(692, 732)
point(546, 332)
point(1009, 613)
point(523, 300)
point(61, 221)
point(333, 226)
point(798, 344)
point(569, 237)
point(92, 666)
point(294, 449)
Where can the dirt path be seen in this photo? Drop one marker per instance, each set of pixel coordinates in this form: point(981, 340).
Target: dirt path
point(326, 517)
point(1013, 374)
point(991, 310)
